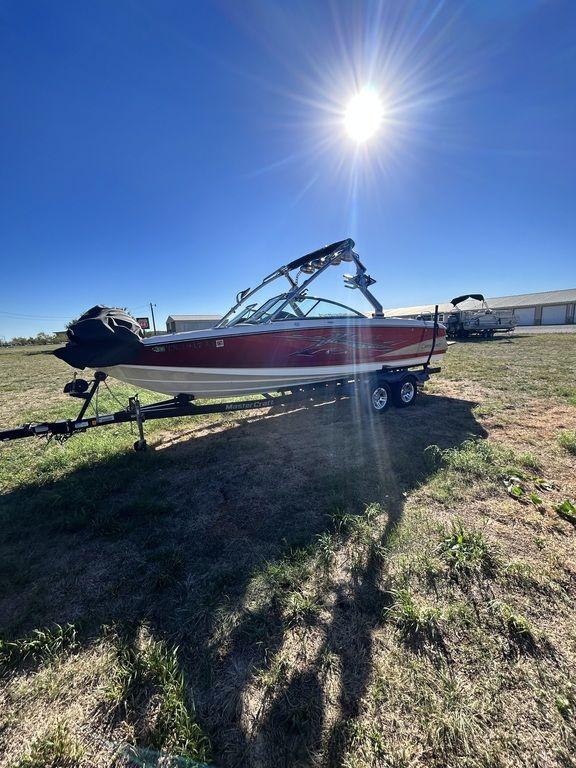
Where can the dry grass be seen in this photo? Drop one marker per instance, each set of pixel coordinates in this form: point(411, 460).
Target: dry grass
point(297, 588)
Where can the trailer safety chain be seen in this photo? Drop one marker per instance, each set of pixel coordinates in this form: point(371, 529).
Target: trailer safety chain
point(112, 395)
point(116, 400)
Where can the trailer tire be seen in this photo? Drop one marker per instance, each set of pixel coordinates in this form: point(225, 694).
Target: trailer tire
point(377, 396)
point(404, 393)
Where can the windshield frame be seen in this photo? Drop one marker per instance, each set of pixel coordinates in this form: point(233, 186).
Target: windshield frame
point(314, 264)
point(318, 300)
point(257, 316)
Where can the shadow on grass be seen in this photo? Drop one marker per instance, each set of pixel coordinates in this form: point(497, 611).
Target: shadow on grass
point(176, 538)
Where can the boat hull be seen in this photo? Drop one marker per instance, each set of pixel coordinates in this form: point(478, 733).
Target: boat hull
point(226, 362)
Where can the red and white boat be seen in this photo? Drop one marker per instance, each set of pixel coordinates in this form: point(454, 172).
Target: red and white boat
point(290, 340)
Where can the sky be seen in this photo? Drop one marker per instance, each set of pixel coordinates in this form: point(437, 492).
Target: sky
point(176, 152)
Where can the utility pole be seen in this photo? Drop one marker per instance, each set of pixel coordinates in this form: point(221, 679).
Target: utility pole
point(153, 318)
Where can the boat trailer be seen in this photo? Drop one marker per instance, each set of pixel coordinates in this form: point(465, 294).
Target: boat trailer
point(396, 385)
point(183, 405)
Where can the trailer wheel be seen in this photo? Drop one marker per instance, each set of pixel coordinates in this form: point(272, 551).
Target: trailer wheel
point(379, 396)
point(404, 392)
point(140, 445)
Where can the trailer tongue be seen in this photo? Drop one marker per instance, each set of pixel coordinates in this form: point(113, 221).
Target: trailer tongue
point(181, 405)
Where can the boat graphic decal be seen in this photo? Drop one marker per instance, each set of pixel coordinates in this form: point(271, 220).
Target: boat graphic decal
point(321, 344)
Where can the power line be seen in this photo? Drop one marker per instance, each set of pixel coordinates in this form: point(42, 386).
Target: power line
point(18, 315)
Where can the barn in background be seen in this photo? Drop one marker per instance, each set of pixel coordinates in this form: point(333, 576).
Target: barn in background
point(179, 323)
point(545, 308)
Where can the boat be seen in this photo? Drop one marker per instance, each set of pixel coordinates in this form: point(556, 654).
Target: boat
point(290, 340)
point(478, 320)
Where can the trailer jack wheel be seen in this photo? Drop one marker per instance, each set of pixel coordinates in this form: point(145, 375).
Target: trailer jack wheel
point(135, 408)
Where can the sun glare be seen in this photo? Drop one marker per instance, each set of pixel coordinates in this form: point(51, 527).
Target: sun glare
point(364, 115)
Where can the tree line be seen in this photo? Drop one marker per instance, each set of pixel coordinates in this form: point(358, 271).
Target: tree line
point(40, 338)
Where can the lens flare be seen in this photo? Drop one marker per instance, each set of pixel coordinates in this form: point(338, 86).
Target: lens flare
point(364, 115)
point(366, 96)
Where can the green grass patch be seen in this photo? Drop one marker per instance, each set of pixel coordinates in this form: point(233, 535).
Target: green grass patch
point(357, 528)
point(567, 510)
point(41, 646)
point(288, 572)
point(476, 467)
point(300, 608)
point(148, 670)
point(413, 618)
point(466, 550)
point(567, 440)
point(566, 702)
point(568, 393)
point(57, 748)
point(524, 575)
point(519, 628)
point(275, 673)
point(485, 458)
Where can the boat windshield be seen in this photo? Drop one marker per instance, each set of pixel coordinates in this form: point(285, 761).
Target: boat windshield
point(299, 308)
point(295, 303)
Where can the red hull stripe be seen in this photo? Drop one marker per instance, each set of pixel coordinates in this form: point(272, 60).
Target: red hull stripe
point(295, 348)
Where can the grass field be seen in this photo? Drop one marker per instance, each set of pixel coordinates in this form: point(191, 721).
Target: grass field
point(297, 588)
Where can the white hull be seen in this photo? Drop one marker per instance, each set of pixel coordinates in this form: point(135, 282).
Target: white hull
point(228, 382)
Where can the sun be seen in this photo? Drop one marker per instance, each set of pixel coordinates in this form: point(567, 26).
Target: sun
point(364, 115)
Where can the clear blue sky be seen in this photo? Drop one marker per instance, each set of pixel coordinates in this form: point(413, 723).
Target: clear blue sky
point(176, 151)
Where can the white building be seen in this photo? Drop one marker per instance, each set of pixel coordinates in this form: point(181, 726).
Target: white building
point(179, 323)
point(546, 308)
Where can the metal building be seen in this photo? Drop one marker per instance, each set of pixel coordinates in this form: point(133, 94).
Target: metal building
point(545, 308)
point(179, 323)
